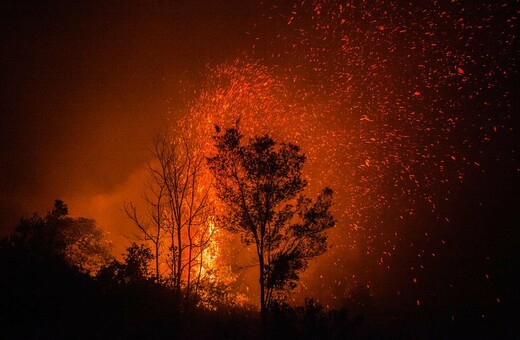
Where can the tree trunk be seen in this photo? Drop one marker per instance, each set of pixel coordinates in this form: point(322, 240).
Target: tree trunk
point(188, 281)
point(157, 263)
point(263, 309)
point(179, 259)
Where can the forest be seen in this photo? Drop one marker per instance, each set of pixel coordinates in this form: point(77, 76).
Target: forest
point(61, 279)
point(274, 169)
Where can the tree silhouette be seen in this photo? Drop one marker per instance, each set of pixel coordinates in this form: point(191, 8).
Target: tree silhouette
point(178, 210)
point(261, 184)
point(77, 241)
point(134, 270)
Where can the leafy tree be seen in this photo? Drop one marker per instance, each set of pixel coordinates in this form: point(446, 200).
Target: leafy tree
point(261, 184)
point(134, 270)
point(77, 241)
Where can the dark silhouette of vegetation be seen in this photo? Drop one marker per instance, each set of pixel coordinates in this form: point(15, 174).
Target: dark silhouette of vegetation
point(309, 321)
point(178, 211)
point(76, 241)
point(261, 184)
point(45, 295)
point(134, 270)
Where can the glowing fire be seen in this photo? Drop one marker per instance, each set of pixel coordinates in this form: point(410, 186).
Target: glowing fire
point(379, 119)
point(211, 253)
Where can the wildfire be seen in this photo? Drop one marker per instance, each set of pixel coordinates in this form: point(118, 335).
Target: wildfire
point(211, 253)
point(377, 116)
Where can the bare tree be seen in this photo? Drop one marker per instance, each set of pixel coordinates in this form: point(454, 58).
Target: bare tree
point(153, 225)
point(178, 210)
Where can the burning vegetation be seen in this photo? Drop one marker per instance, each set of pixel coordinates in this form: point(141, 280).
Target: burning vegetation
point(403, 114)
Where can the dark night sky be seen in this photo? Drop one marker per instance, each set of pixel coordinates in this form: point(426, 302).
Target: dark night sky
point(84, 86)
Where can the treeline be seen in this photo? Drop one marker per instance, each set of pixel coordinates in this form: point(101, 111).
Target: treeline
point(59, 281)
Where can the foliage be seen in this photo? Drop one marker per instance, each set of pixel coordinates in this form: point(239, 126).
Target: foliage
point(77, 241)
point(309, 321)
point(262, 185)
point(45, 297)
point(134, 270)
